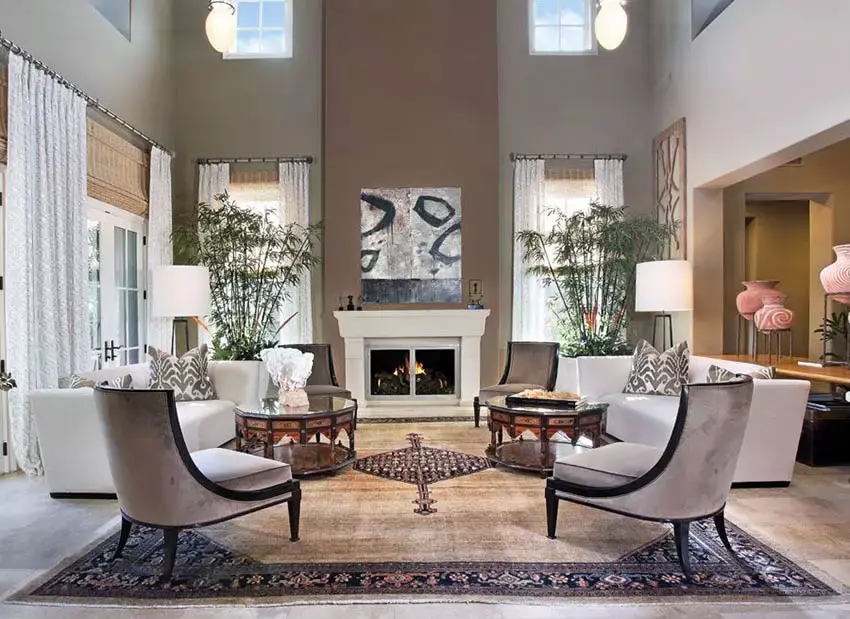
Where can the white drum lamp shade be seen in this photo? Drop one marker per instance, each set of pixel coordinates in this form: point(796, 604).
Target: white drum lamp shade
point(180, 291)
point(664, 286)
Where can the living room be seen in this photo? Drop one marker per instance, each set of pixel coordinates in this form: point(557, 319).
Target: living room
point(490, 415)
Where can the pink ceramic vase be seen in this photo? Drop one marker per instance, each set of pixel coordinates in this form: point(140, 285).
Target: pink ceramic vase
point(774, 316)
point(836, 277)
point(749, 301)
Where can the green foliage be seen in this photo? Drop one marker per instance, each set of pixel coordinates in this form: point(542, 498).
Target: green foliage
point(254, 262)
point(589, 258)
point(835, 331)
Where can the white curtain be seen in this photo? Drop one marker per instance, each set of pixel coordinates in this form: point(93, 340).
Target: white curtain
point(47, 330)
point(295, 208)
point(609, 181)
point(159, 239)
point(529, 296)
point(213, 180)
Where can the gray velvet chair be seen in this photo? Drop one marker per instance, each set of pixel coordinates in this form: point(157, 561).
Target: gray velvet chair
point(161, 485)
point(687, 481)
point(530, 365)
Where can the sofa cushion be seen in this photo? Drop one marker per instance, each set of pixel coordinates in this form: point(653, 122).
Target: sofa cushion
point(658, 373)
point(75, 381)
point(645, 419)
point(187, 376)
point(494, 391)
point(609, 466)
point(207, 423)
point(699, 366)
point(240, 471)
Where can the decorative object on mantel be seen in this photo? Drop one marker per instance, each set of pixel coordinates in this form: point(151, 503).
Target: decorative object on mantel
point(476, 293)
point(835, 278)
point(670, 186)
point(350, 306)
point(750, 301)
point(221, 25)
point(773, 315)
point(410, 247)
point(289, 369)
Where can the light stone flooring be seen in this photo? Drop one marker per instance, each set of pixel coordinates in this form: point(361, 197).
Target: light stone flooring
point(808, 522)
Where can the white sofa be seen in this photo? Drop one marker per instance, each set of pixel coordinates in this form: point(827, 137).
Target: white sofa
point(72, 445)
point(773, 430)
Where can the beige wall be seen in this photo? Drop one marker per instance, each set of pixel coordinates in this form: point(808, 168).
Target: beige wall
point(412, 101)
point(131, 78)
point(778, 248)
point(570, 104)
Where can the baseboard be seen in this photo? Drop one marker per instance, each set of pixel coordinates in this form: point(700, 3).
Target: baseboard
point(761, 484)
point(93, 496)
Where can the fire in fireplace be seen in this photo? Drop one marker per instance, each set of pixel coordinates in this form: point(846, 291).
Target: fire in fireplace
point(417, 372)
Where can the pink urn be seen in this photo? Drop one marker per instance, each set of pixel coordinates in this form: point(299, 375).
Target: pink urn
point(836, 277)
point(774, 316)
point(749, 301)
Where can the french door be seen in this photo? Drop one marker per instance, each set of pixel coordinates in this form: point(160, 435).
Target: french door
point(7, 460)
point(116, 285)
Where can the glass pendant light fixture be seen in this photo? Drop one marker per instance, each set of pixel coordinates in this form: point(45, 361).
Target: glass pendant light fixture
point(612, 22)
point(221, 24)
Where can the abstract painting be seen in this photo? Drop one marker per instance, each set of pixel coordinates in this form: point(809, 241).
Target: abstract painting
point(410, 245)
point(670, 180)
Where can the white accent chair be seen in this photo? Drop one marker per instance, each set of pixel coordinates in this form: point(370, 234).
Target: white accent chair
point(72, 446)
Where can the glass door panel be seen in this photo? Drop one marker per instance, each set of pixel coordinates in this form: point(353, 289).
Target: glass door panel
point(94, 294)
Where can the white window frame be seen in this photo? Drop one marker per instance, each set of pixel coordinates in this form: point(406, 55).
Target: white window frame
point(289, 30)
point(590, 35)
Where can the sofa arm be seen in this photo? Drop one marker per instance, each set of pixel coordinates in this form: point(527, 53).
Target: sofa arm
point(237, 381)
point(72, 446)
point(598, 376)
point(773, 429)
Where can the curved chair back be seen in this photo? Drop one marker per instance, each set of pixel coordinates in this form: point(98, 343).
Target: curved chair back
point(155, 479)
point(323, 363)
point(695, 472)
point(533, 363)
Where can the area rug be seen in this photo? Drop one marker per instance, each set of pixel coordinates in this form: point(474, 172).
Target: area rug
point(361, 540)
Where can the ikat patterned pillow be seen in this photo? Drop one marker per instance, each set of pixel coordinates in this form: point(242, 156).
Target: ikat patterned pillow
point(717, 374)
point(187, 376)
point(655, 373)
point(75, 381)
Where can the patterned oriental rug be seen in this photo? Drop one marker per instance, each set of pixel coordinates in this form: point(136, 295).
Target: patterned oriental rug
point(364, 537)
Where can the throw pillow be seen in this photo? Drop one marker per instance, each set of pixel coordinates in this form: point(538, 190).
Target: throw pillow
point(78, 382)
point(762, 374)
point(655, 373)
point(717, 374)
point(187, 375)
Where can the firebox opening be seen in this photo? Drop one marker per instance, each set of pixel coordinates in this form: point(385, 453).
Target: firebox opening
point(432, 372)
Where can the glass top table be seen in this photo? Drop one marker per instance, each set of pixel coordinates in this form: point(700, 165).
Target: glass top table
point(308, 438)
point(580, 426)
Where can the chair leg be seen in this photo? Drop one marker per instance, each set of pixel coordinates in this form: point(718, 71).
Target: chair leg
point(354, 420)
point(681, 530)
point(551, 512)
point(170, 552)
point(476, 407)
point(294, 506)
point(126, 525)
point(720, 525)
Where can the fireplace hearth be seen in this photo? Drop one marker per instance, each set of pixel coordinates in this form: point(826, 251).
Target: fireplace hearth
point(413, 372)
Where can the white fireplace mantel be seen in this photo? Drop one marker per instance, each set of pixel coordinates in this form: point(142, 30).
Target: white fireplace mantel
point(360, 328)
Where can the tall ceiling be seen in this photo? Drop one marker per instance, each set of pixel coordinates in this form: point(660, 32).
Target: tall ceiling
point(703, 12)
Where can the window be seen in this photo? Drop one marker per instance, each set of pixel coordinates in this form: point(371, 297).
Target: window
point(263, 29)
point(561, 27)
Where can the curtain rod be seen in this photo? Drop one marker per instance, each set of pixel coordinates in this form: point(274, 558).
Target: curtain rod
point(91, 101)
point(516, 156)
point(296, 158)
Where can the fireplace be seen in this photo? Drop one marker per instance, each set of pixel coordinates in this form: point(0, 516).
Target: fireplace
point(400, 372)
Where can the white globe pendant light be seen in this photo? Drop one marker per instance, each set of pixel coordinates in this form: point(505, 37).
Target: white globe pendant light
point(221, 25)
point(612, 22)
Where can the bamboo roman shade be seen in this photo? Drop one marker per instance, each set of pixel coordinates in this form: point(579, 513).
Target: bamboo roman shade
point(4, 112)
point(118, 171)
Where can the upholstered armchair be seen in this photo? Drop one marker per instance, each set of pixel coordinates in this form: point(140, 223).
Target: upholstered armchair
point(687, 481)
point(530, 365)
point(161, 485)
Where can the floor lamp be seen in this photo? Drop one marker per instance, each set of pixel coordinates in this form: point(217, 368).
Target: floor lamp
point(180, 291)
point(662, 287)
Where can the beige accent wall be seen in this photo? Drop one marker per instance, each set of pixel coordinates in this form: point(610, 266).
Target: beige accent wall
point(778, 248)
point(412, 101)
point(132, 78)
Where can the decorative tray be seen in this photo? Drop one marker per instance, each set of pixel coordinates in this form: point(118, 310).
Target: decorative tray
point(544, 399)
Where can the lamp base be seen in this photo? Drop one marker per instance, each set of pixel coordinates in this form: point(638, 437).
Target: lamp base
point(666, 326)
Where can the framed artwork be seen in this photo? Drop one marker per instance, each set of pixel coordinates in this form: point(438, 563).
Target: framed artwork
point(670, 186)
point(410, 245)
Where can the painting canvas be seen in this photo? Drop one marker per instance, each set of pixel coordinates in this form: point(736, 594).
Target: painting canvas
point(670, 180)
point(410, 245)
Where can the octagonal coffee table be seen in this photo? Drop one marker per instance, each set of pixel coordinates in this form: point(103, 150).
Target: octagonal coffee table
point(261, 430)
point(581, 426)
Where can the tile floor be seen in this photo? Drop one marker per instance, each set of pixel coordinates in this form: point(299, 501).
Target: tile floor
point(808, 522)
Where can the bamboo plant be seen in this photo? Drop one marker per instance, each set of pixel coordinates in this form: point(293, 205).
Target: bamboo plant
point(588, 259)
point(254, 263)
